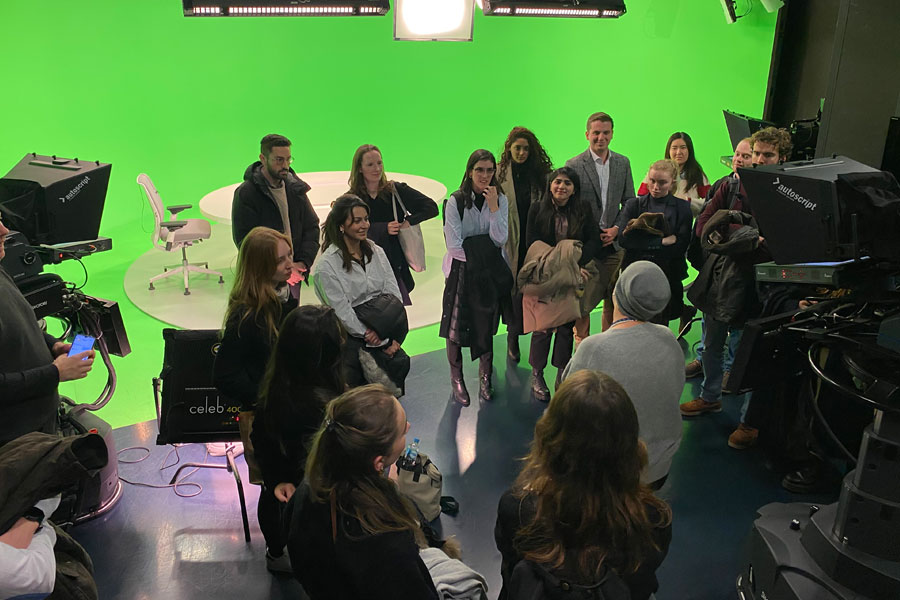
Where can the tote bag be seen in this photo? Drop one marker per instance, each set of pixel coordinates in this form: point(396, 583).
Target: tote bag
point(411, 239)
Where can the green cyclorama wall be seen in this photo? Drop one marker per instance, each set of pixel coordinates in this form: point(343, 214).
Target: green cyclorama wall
point(186, 100)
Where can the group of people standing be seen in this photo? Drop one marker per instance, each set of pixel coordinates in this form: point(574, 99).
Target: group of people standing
point(539, 247)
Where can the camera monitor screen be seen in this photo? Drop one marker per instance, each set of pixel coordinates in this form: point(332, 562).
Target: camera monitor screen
point(796, 207)
point(53, 200)
point(741, 126)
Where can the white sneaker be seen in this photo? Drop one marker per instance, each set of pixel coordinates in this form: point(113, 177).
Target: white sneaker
point(282, 564)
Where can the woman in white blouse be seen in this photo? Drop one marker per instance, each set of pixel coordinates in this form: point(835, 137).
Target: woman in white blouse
point(351, 271)
point(477, 208)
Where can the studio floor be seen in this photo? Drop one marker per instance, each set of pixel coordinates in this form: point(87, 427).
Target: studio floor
point(154, 544)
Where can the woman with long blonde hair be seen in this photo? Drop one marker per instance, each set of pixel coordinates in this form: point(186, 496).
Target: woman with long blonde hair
point(578, 508)
point(257, 304)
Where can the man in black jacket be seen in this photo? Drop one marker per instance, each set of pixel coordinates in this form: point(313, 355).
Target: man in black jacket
point(769, 146)
point(273, 196)
point(32, 364)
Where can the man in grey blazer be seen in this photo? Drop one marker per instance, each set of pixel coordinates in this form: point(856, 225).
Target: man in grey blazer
point(606, 183)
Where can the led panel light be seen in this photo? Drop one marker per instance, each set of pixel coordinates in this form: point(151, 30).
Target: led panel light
point(434, 20)
point(592, 9)
point(285, 8)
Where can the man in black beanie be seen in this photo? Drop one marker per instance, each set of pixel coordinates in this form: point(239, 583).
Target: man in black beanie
point(627, 351)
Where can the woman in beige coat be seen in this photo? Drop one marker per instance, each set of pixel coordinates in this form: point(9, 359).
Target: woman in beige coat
point(522, 175)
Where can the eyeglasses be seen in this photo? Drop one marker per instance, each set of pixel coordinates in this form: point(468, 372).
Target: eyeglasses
point(280, 160)
point(483, 171)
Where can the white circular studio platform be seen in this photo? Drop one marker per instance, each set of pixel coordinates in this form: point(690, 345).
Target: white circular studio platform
point(205, 307)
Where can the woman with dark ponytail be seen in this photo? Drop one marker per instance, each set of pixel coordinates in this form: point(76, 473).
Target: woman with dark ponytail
point(350, 532)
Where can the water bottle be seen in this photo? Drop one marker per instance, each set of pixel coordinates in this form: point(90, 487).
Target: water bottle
point(413, 452)
point(401, 462)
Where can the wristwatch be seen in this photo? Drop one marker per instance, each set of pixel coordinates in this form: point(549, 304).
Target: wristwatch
point(35, 515)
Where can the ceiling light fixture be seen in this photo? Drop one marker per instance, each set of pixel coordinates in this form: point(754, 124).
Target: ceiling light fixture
point(602, 9)
point(285, 8)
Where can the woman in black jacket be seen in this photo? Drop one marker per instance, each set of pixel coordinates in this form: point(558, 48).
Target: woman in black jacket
point(578, 508)
point(350, 532)
point(303, 375)
point(559, 215)
point(368, 181)
point(258, 302)
point(662, 241)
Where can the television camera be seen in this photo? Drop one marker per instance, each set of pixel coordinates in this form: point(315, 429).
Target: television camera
point(53, 208)
point(833, 223)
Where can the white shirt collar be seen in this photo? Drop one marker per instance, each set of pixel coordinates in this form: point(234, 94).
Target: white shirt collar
point(597, 157)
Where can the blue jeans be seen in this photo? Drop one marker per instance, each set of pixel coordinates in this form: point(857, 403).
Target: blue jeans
point(734, 338)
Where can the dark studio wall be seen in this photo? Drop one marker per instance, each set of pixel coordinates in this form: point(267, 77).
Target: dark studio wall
point(847, 52)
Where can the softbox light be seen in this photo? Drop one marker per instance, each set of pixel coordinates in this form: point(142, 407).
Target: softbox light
point(433, 20)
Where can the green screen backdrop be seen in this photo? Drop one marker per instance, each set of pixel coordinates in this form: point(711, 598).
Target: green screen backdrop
point(186, 100)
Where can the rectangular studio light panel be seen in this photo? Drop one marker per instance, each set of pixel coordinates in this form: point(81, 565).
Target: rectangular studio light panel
point(285, 8)
point(589, 9)
point(434, 20)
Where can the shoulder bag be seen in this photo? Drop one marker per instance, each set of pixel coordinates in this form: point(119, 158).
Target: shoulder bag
point(411, 239)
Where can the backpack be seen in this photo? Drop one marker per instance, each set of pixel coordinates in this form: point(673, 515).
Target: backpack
point(460, 206)
point(531, 581)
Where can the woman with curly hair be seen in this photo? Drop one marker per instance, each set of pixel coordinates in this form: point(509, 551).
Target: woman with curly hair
point(351, 534)
point(522, 175)
point(367, 180)
point(578, 509)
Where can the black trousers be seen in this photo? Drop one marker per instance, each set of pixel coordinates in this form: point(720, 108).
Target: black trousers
point(514, 327)
point(268, 512)
point(562, 348)
point(454, 357)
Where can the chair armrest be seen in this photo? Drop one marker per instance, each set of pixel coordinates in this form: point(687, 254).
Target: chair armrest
point(177, 208)
point(172, 225)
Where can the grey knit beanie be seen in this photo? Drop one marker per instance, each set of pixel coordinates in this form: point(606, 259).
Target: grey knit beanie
point(642, 291)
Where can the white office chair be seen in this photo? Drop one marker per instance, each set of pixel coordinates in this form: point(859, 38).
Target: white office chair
point(172, 235)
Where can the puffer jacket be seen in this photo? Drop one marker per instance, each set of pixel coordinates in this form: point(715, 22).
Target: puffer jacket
point(725, 289)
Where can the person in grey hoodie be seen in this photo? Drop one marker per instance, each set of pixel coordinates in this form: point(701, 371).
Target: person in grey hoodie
point(623, 352)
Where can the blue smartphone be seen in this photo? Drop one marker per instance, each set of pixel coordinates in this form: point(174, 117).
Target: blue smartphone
point(80, 344)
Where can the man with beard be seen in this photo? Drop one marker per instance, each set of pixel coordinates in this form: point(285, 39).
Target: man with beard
point(273, 196)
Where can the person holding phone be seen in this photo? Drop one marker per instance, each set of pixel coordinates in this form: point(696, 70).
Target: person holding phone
point(34, 364)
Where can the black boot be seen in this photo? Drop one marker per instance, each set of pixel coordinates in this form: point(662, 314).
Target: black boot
point(485, 370)
point(457, 382)
point(539, 388)
point(512, 348)
point(458, 386)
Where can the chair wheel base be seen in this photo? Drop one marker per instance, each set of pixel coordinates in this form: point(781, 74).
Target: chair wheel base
point(151, 287)
point(221, 280)
point(187, 292)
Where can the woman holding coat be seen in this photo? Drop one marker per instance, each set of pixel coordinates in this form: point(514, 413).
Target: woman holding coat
point(559, 216)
